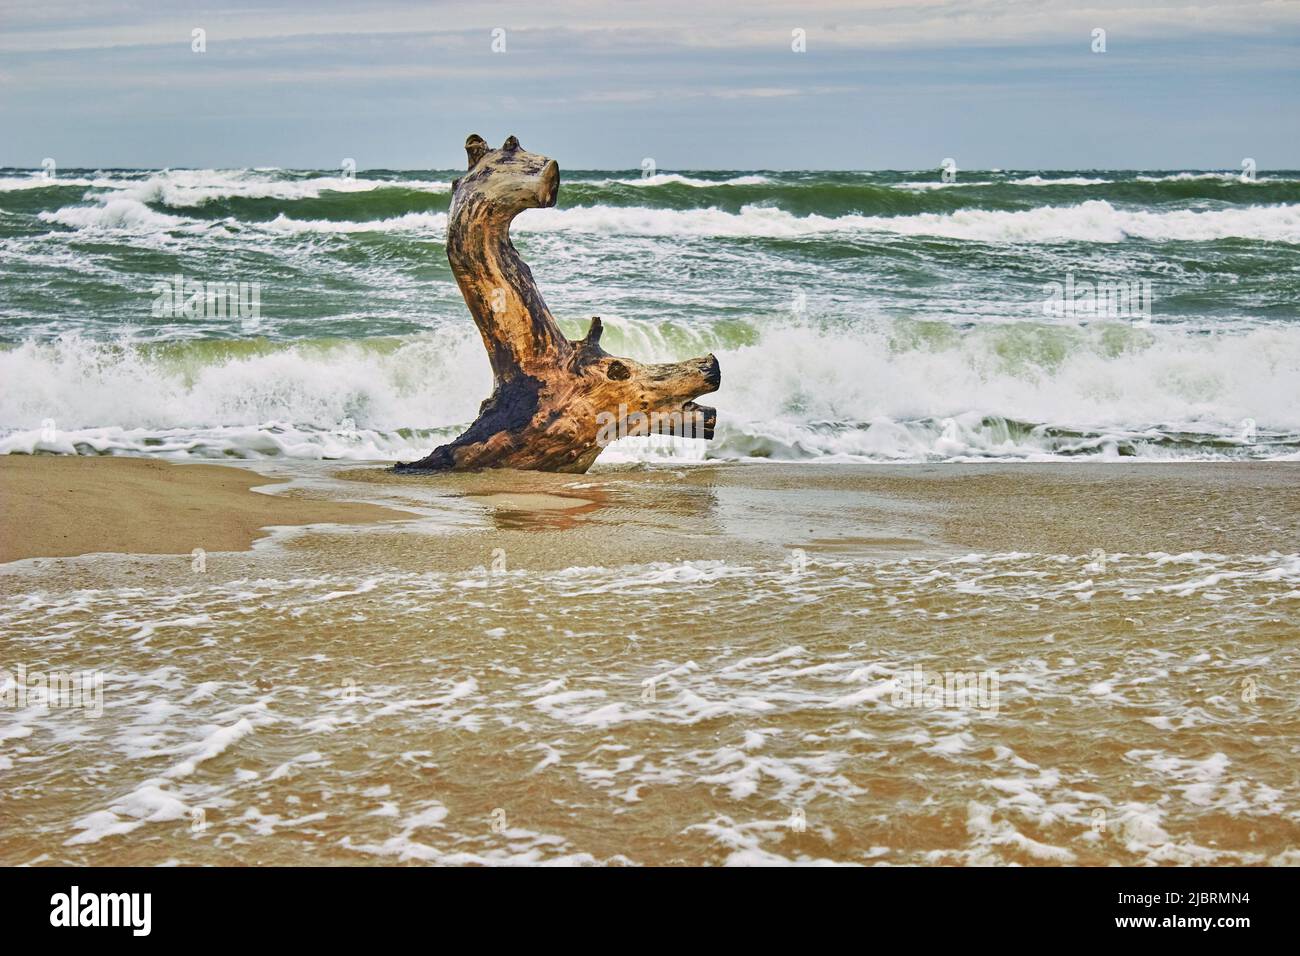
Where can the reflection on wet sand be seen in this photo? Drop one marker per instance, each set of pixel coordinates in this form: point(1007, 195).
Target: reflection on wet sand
point(514, 511)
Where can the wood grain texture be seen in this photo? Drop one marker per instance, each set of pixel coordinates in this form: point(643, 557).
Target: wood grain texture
point(555, 402)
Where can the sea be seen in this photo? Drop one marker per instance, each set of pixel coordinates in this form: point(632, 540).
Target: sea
point(903, 316)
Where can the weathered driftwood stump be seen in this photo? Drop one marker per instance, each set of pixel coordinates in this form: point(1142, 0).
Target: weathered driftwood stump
point(556, 403)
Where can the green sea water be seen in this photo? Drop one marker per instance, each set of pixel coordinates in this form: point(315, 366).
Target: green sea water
point(858, 316)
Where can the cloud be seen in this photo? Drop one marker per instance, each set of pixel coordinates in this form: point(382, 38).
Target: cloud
point(900, 81)
point(649, 24)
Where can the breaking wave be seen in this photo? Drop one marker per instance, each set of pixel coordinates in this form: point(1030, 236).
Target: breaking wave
point(892, 391)
point(1091, 221)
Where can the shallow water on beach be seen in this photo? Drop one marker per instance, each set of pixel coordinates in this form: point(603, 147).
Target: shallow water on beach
point(353, 700)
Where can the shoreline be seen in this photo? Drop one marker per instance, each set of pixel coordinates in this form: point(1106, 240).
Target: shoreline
point(63, 507)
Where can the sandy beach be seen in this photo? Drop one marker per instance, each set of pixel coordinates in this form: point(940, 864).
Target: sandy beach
point(698, 664)
point(64, 506)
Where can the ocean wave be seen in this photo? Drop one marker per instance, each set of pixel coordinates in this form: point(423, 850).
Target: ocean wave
point(332, 399)
point(37, 181)
point(179, 189)
point(738, 207)
point(1092, 221)
point(1009, 391)
point(676, 179)
point(1063, 181)
point(940, 184)
point(887, 392)
point(1192, 177)
point(120, 215)
point(413, 222)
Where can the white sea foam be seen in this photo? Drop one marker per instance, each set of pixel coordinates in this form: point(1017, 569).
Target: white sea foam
point(37, 181)
point(147, 804)
point(665, 179)
point(213, 745)
point(1191, 177)
point(194, 187)
point(1091, 221)
point(925, 184)
point(434, 223)
point(1062, 181)
point(780, 764)
point(120, 214)
point(188, 188)
point(343, 401)
point(831, 394)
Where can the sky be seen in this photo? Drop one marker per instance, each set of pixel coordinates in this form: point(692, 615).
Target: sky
point(745, 84)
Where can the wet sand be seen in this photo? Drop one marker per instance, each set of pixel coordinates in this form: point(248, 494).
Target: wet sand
point(66, 506)
point(723, 512)
point(57, 506)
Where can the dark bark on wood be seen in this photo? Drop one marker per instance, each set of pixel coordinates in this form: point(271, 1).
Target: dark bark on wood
point(555, 402)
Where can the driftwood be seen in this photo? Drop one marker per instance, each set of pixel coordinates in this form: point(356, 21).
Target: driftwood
point(556, 403)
